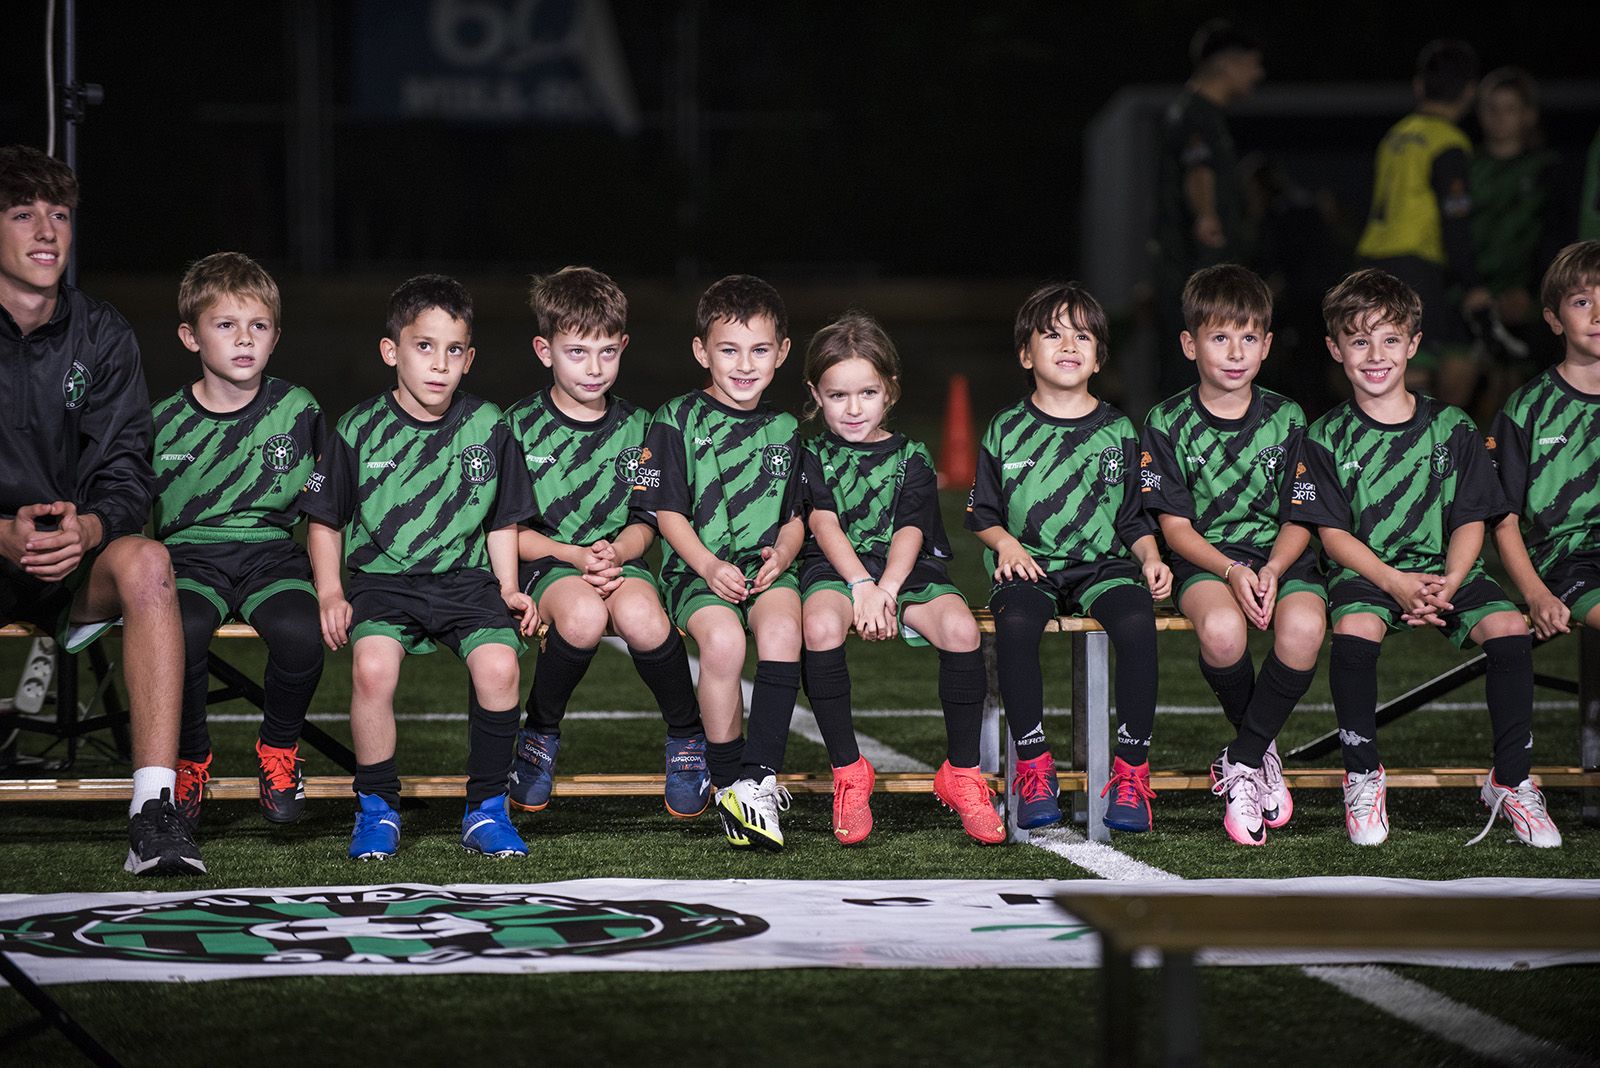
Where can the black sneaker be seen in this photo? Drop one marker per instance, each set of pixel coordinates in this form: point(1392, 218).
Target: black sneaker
point(280, 784)
point(160, 842)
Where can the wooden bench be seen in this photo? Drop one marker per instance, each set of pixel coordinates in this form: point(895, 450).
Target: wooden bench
point(1179, 924)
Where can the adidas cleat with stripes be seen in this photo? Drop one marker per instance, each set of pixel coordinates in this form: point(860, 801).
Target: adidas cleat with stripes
point(487, 831)
point(749, 812)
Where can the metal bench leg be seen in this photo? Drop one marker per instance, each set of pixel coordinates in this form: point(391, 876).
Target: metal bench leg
point(1119, 1030)
point(995, 752)
point(1180, 995)
point(1097, 721)
point(1589, 717)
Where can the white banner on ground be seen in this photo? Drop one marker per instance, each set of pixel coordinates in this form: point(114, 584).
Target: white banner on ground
point(640, 925)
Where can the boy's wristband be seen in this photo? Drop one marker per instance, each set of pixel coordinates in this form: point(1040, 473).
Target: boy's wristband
point(852, 585)
point(1231, 565)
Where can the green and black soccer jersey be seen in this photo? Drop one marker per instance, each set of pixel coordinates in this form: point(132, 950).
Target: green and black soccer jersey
point(415, 497)
point(1402, 489)
point(1223, 475)
point(876, 489)
point(233, 476)
point(733, 473)
point(1546, 444)
point(583, 472)
point(1064, 488)
point(1511, 209)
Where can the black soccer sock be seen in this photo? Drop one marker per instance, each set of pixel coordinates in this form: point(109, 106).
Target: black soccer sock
point(491, 746)
point(665, 669)
point(725, 762)
point(1129, 617)
point(1232, 685)
point(1277, 691)
point(199, 620)
point(827, 682)
point(559, 669)
point(1509, 686)
point(1353, 678)
point(777, 683)
point(291, 626)
point(1020, 613)
point(962, 688)
point(382, 779)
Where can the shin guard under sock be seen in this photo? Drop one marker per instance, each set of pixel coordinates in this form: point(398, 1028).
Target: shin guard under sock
point(1353, 678)
point(557, 672)
point(962, 688)
point(772, 697)
point(1509, 690)
point(1277, 691)
point(665, 670)
point(1232, 685)
point(491, 746)
point(827, 682)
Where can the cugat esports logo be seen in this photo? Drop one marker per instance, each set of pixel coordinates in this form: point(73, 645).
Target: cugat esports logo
point(380, 925)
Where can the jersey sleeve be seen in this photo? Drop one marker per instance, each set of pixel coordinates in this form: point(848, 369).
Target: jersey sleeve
point(330, 493)
point(663, 473)
point(1312, 493)
point(918, 504)
point(1478, 495)
point(815, 493)
point(985, 506)
point(513, 496)
point(1161, 480)
point(1508, 451)
point(1450, 178)
point(115, 479)
point(1132, 522)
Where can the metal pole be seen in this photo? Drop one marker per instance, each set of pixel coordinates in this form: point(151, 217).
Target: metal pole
point(69, 140)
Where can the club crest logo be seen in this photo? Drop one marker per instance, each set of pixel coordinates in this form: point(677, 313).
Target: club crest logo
point(627, 466)
point(75, 386)
point(1440, 461)
point(1271, 458)
point(1112, 465)
point(477, 464)
point(377, 925)
point(776, 461)
point(280, 453)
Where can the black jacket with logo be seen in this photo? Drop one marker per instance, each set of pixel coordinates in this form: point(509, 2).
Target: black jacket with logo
point(75, 424)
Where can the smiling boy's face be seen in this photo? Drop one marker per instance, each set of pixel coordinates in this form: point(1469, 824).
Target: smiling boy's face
point(1063, 357)
point(35, 241)
point(1374, 355)
point(743, 359)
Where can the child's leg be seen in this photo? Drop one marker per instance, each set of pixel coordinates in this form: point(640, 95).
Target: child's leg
point(374, 673)
point(1128, 615)
point(1353, 678)
point(1509, 691)
point(826, 619)
point(492, 729)
point(1224, 652)
point(1020, 614)
point(775, 625)
point(577, 616)
point(200, 619)
point(947, 623)
point(1299, 622)
point(719, 634)
point(658, 654)
point(290, 623)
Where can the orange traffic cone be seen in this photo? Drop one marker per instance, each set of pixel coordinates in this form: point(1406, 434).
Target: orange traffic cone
point(958, 451)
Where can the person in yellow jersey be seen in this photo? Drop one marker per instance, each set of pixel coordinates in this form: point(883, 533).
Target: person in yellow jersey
point(1419, 227)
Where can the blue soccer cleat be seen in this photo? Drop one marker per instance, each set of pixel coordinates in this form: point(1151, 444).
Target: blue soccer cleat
point(487, 830)
point(377, 832)
point(688, 787)
point(1129, 807)
point(1036, 788)
point(534, 771)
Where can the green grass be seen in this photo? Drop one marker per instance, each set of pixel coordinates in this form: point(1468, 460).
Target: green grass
point(889, 1017)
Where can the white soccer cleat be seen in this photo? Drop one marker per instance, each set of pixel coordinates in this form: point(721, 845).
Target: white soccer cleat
point(1277, 804)
point(1523, 808)
point(1241, 788)
point(749, 812)
point(1366, 808)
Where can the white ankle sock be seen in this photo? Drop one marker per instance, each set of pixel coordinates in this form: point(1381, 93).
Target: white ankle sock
point(148, 784)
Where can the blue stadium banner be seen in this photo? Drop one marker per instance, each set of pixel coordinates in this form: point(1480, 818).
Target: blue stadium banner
point(492, 61)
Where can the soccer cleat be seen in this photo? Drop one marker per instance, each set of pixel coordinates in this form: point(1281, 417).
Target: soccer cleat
point(161, 842)
point(377, 831)
point(487, 830)
point(533, 772)
point(1241, 787)
point(280, 785)
point(687, 792)
point(1366, 806)
point(852, 801)
point(965, 792)
point(1130, 792)
point(749, 812)
point(191, 788)
point(1277, 804)
point(1036, 788)
point(1523, 808)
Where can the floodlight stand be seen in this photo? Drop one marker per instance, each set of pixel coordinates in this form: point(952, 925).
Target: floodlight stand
point(75, 100)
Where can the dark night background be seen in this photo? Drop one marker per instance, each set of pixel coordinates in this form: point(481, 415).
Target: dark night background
point(846, 149)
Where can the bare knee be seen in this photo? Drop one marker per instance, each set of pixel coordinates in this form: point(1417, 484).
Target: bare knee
point(141, 570)
point(823, 630)
point(722, 650)
point(582, 621)
point(641, 622)
point(778, 637)
point(372, 674)
point(1298, 635)
point(494, 670)
point(1222, 638)
point(961, 632)
point(1361, 625)
point(1499, 625)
